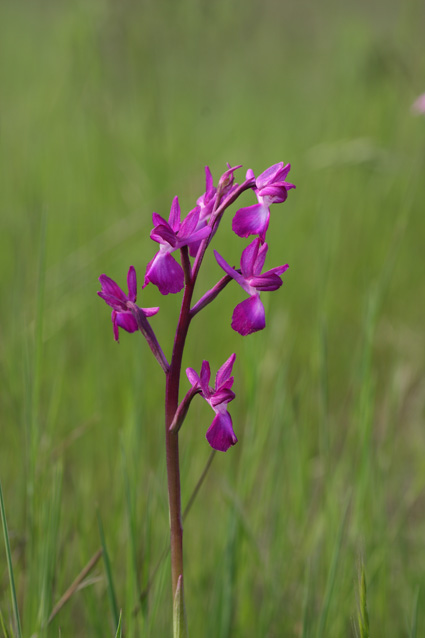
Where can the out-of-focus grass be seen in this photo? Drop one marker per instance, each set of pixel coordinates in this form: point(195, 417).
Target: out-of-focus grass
point(107, 111)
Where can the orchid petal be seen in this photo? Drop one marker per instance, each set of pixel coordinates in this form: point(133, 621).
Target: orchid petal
point(109, 287)
point(225, 371)
point(261, 257)
point(284, 172)
point(164, 235)
point(205, 378)
point(232, 272)
point(200, 234)
point(174, 218)
point(275, 193)
point(206, 204)
point(288, 185)
point(189, 224)
point(158, 220)
point(273, 174)
point(266, 282)
point(220, 434)
point(249, 316)
point(250, 174)
point(252, 220)
point(279, 270)
point(193, 377)
point(209, 184)
point(249, 257)
point(226, 384)
point(224, 395)
point(195, 240)
point(150, 312)
point(112, 301)
point(206, 201)
point(164, 271)
point(126, 321)
point(269, 175)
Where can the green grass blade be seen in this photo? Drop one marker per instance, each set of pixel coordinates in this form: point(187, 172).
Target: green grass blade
point(10, 566)
point(363, 615)
point(331, 578)
point(133, 580)
point(306, 615)
point(118, 633)
point(414, 625)
point(3, 626)
point(48, 545)
point(229, 575)
point(35, 382)
point(111, 588)
point(179, 612)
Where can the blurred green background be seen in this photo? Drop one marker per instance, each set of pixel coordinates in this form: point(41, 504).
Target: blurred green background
point(107, 111)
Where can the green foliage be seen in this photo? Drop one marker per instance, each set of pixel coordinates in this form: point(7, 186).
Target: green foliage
point(363, 614)
point(116, 617)
point(9, 569)
point(108, 111)
point(118, 633)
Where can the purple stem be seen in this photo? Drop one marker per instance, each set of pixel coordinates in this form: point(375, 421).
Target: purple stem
point(146, 330)
point(187, 268)
point(172, 439)
point(182, 410)
point(210, 295)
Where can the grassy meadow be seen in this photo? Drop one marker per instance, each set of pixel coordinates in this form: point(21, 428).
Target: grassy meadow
point(107, 111)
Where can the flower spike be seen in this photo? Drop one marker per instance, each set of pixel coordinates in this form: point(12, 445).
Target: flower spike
point(192, 236)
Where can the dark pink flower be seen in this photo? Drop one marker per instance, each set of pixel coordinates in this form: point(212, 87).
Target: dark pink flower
point(122, 304)
point(163, 270)
point(249, 315)
point(270, 188)
point(208, 200)
point(220, 434)
point(418, 105)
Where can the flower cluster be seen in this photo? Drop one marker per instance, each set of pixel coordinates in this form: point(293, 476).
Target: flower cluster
point(220, 434)
point(191, 237)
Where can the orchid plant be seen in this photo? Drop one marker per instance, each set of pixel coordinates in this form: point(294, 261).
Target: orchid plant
point(192, 237)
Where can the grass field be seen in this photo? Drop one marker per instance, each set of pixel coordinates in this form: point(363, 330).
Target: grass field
point(108, 110)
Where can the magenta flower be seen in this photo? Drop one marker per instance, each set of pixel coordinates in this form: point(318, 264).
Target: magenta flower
point(206, 204)
point(249, 315)
point(208, 200)
point(270, 188)
point(163, 270)
point(220, 434)
point(418, 105)
point(122, 304)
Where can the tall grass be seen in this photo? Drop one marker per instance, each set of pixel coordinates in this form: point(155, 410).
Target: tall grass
point(108, 111)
